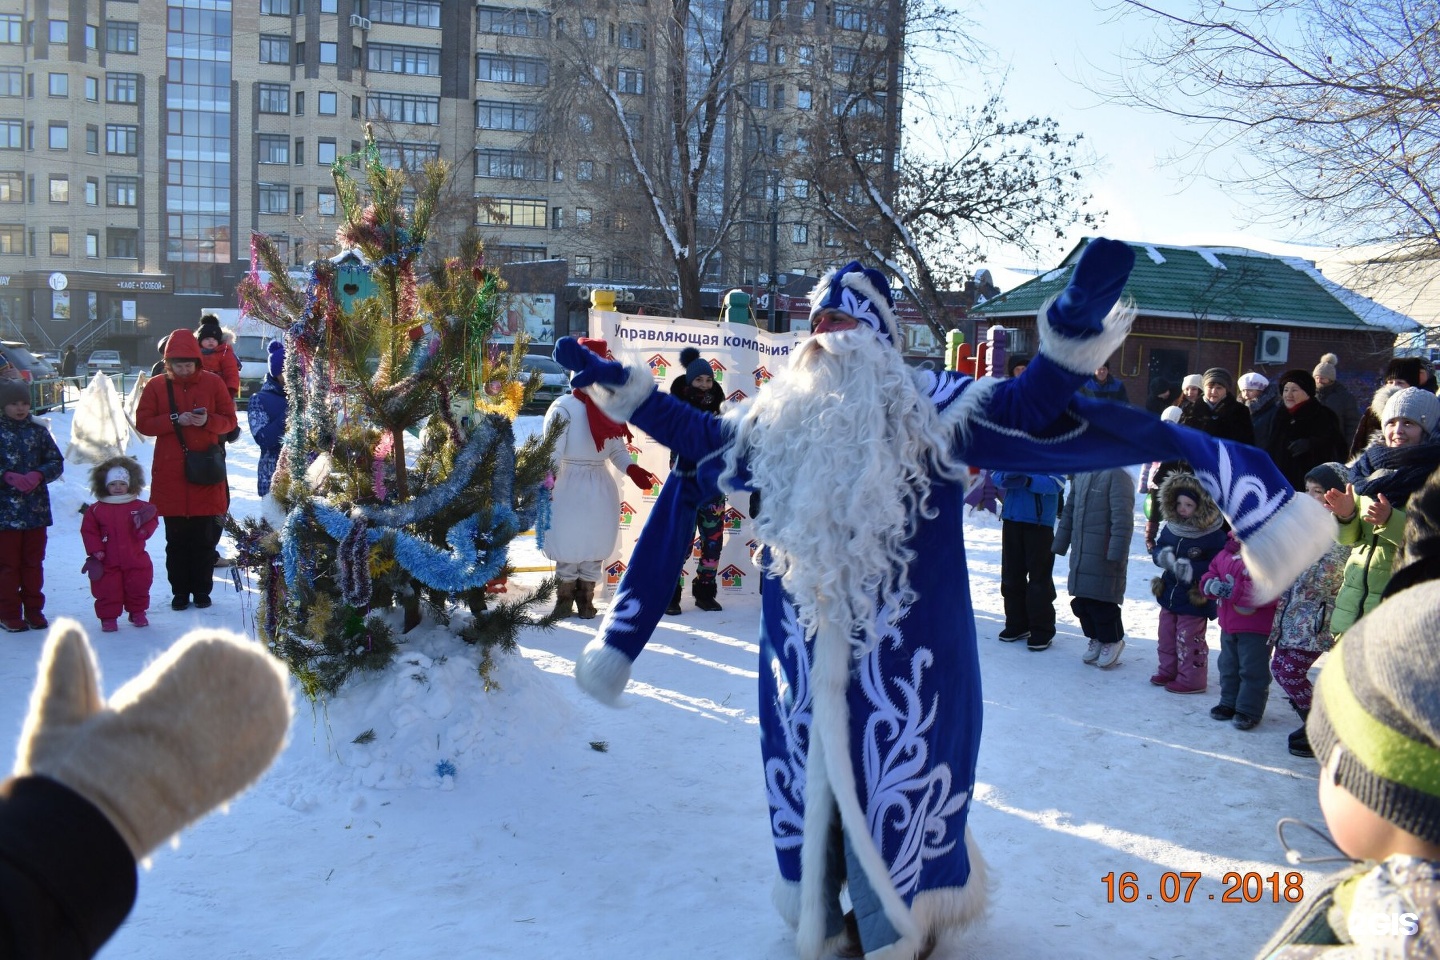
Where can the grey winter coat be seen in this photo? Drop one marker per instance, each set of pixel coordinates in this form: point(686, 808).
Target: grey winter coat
point(1098, 521)
point(1373, 911)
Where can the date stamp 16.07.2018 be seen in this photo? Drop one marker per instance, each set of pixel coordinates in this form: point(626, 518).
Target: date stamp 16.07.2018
point(1179, 887)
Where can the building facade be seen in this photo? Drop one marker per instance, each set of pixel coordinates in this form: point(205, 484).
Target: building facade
point(142, 142)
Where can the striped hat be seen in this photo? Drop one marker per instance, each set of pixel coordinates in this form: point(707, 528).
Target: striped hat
point(1378, 703)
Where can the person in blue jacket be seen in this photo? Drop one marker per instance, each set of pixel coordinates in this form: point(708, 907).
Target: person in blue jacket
point(1027, 565)
point(266, 414)
point(1102, 386)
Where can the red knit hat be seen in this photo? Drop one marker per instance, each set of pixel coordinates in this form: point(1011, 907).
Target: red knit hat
point(182, 345)
point(596, 346)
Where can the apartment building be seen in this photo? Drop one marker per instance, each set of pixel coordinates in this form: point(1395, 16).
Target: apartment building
point(142, 142)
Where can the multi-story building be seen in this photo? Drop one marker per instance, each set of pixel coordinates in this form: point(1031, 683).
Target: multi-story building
point(143, 141)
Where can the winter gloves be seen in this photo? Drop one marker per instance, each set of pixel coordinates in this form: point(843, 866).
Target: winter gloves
point(589, 368)
point(144, 514)
point(1297, 447)
point(94, 566)
point(1093, 290)
point(199, 725)
point(643, 478)
point(1220, 586)
point(1179, 566)
point(24, 482)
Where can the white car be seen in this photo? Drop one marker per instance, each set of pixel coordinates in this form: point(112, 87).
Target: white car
point(554, 381)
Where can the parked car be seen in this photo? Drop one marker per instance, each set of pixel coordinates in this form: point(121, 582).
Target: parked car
point(554, 381)
point(105, 361)
point(46, 387)
point(253, 354)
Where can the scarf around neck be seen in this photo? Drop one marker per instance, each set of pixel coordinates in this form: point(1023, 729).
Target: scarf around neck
point(1396, 472)
point(602, 428)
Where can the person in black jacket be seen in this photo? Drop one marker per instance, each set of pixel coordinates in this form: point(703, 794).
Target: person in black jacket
point(1336, 395)
point(699, 389)
point(70, 363)
point(98, 786)
point(1305, 433)
point(1262, 399)
point(1218, 413)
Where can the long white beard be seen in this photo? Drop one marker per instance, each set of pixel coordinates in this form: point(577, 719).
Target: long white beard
point(842, 446)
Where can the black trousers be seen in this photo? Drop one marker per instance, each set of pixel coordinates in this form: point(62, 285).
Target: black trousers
point(190, 554)
point(1027, 582)
point(1099, 619)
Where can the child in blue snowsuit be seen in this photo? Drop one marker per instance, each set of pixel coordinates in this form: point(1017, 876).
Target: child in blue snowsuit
point(266, 413)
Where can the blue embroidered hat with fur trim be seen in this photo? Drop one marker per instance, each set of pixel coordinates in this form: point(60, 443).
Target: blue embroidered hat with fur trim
point(861, 292)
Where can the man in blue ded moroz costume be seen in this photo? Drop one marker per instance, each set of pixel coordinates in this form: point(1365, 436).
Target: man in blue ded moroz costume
point(870, 697)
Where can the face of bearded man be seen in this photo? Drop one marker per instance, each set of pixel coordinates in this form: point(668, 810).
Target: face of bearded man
point(841, 446)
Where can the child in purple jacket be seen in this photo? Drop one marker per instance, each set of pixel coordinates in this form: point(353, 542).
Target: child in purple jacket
point(1244, 663)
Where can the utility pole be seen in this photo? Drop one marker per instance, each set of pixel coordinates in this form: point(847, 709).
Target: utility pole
point(772, 289)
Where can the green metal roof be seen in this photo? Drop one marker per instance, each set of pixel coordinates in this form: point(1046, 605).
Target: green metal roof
point(1217, 283)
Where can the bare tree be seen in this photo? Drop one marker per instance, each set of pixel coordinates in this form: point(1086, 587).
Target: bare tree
point(1332, 107)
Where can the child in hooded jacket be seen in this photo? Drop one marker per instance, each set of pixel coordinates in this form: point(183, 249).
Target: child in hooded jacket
point(115, 529)
point(1301, 631)
point(216, 354)
point(1192, 533)
point(1244, 662)
point(29, 461)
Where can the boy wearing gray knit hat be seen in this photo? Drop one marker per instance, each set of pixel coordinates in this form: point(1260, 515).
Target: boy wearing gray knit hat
point(1375, 726)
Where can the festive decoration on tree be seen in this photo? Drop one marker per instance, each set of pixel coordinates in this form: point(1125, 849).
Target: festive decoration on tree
point(378, 348)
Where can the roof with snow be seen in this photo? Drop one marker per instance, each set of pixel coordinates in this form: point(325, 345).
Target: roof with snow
point(1218, 283)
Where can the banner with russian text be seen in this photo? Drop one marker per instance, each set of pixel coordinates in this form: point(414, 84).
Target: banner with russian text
point(742, 358)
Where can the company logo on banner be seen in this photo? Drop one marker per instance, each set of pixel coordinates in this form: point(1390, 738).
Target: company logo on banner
point(730, 349)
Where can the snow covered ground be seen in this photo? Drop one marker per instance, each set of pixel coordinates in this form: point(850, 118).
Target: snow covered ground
point(569, 829)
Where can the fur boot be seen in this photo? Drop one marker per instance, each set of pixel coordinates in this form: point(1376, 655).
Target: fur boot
point(704, 594)
point(585, 599)
point(564, 598)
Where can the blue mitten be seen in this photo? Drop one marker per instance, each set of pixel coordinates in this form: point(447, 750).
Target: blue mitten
point(1220, 588)
point(588, 367)
point(1094, 288)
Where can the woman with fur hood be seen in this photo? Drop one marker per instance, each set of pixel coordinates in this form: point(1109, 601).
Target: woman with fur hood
point(1192, 533)
point(115, 529)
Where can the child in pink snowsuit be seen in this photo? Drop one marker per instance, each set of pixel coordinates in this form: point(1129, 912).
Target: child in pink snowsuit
point(115, 529)
point(1244, 638)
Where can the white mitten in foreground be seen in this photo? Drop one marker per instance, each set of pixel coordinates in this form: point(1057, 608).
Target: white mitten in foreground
point(197, 727)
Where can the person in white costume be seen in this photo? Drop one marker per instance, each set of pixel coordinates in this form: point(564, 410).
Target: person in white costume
point(585, 514)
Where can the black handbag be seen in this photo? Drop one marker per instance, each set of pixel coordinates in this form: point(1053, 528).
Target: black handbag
point(203, 468)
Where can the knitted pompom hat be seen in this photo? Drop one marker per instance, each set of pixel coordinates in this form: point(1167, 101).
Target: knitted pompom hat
point(698, 367)
point(276, 350)
point(1378, 703)
point(209, 329)
point(1325, 369)
point(861, 292)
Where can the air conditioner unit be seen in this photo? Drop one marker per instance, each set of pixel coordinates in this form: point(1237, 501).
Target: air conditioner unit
point(358, 21)
point(1272, 346)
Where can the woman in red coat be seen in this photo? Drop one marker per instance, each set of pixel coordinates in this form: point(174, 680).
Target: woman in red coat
point(204, 411)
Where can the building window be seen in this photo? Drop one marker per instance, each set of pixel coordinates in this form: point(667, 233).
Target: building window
point(12, 81)
point(557, 218)
point(583, 216)
point(632, 36)
point(327, 6)
point(397, 58)
point(585, 170)
point(800, 189)
point(759, 53)
point(300, 103)
point(92, 244)
point(325, 203)
point(92, 138)
point(122, 87)
point(860, 19)
point(510, 212)
point(122, 244)
point(59, 242)
point(799, 234)
point(12, 186)
point(122, 37)
point(498, 115)
point(59, 84)
point(630, 81)
point(92, 192)
point(759, 95)
point(762, 10)
point(329, 52)
point(92, 38)
point(513, 164)
point(327, 103)
point(581, 265)
point(299, 151)
point(510, 23)
point(60, 33)
point(274, 49)
point(406, 154)
point(402, 108)
point(10, 27)
point(274, 98)
point(274, 198)
point(122, 139)
point(122, 191)
point(275, 8)
point(410, 13)
point(804, 98)
point(59, 189)
point(502, 69)
point(59, 136)
point(12, 238)
point(92, 89)
point(273, 149)
point(11, 134)
point(325, 152)
point(514, 253)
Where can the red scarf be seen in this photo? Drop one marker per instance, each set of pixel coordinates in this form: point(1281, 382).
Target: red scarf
point(602, 428)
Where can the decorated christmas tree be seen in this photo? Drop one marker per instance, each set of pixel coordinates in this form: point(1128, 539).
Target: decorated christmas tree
point(383, 352)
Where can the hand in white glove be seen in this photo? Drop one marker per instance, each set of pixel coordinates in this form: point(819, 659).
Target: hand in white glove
point(1183, 571)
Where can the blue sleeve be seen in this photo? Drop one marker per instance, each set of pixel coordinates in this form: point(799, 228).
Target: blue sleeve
point(1045, 484)
point(1009, 480)
point(695, 435)
point(1034, 400)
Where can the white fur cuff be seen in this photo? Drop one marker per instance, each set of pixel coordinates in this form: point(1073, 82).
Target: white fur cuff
point(619, 403)
point(602, 671)
point(1287, 545)
point(1084, 356)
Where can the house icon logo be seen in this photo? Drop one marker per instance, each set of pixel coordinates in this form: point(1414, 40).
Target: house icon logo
point(634, 452)
point(761, 375)
point(654, 491)
point(719, 369)
point(737, 396)
point(627, 514)
point(732, 578)
point(659, 366)
point(732, 520)
point(695, 546)
point(754, 547)
point(614, 572)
